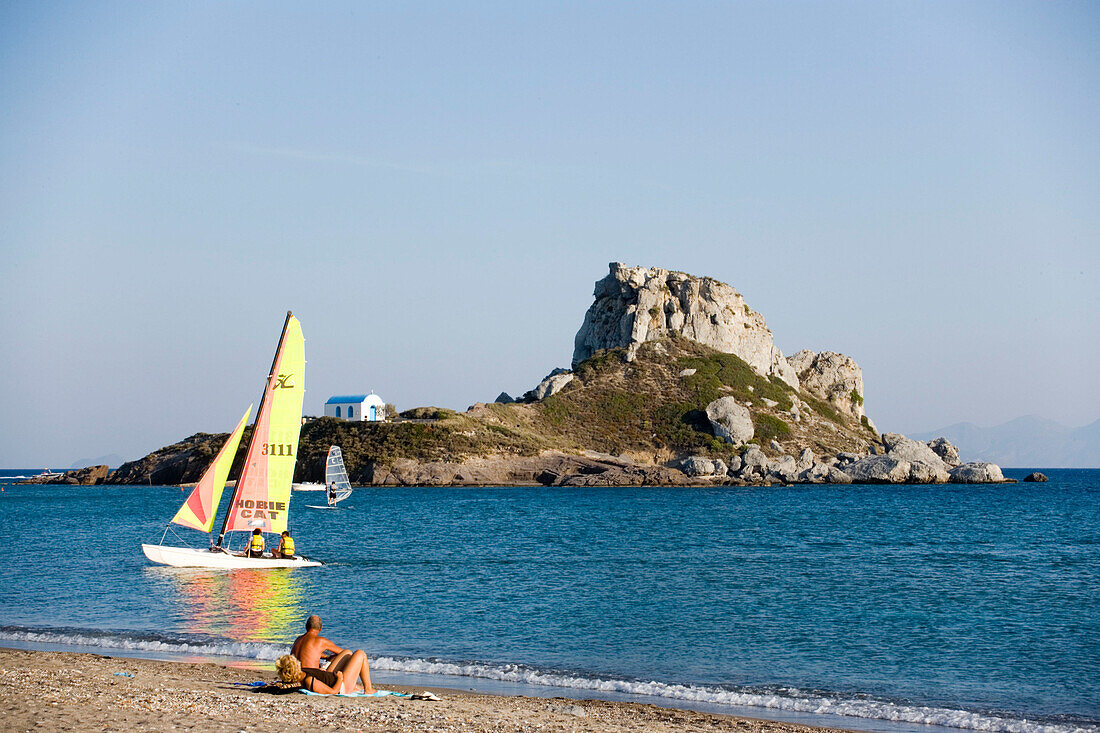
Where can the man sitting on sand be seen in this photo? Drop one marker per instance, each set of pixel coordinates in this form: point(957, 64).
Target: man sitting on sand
point(309, 647)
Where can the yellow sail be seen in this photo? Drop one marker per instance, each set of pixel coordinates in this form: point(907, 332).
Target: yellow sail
point(262, 498)
point(201, 506)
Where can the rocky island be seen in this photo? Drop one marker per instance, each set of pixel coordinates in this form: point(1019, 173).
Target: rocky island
point(674, 380)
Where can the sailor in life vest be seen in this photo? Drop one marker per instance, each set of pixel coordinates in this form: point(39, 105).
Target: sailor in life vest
point(256, 545)
point(286, 546)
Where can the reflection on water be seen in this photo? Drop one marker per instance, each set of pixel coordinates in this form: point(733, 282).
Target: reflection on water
point(242, 605)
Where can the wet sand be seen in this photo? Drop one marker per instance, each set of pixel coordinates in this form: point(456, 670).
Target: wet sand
point(82, 692)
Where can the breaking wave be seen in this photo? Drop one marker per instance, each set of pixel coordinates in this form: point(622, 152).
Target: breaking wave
point(782, 699)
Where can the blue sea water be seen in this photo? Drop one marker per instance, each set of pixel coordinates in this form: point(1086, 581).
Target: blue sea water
point(975, 607)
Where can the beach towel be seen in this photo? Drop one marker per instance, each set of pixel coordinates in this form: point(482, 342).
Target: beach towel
point(376, 693)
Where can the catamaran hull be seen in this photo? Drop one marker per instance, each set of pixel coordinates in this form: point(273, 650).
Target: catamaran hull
point(186, 557)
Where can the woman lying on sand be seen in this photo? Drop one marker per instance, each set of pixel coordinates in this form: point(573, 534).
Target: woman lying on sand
point(339, 678)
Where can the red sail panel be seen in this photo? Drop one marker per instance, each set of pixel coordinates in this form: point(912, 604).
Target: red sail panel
point(262, 498)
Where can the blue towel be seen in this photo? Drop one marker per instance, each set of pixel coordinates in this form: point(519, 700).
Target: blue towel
point(257, 683)
point(376, 693)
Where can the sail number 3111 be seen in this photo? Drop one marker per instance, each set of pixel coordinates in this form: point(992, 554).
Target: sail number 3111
point(278, 449)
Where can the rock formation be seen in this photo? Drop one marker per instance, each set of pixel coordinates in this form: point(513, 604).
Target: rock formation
point(1036, 477)
point(550, 384)
point(925, 466)
point(948, 453)
point(833, 377)
point(879, 470)
point(730, 421)
point(977, 473)
point(637, 304)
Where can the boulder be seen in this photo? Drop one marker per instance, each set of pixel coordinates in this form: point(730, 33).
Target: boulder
point(836, 476)
point(774, 445)
point(926, 467)
point(634, 305)
point(805, 459)
point(504, 398)
point(734, 465)
point(976, 473)
point(948, 453)
point(551, 384)
point(926, 473)
point(846, 459)
point(1036, 476)
point(833, 377)
point(686, 372)
point(823, 473)
point(783, 468)
point(730, 421)
point(753, 463)
point(879, 470)
point(815, 474)
point(700, 466)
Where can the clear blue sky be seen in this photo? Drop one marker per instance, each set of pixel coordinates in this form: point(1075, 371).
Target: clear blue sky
point(434, 189)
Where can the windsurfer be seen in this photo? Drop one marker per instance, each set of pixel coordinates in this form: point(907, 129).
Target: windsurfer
point(332, 493)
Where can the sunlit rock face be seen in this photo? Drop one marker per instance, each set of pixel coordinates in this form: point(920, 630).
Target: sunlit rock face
point(634, 305)
point(833, 377)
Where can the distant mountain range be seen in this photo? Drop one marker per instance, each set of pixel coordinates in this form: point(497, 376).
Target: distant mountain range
point(1026, 442)
point(112, 460)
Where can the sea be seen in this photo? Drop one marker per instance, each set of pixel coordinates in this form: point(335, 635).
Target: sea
point(877, 608)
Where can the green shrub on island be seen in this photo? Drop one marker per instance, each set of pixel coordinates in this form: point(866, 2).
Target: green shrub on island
point(599, 363)
point(718, 375)
point(857, 398)
point(769, 427)
point(428, 413)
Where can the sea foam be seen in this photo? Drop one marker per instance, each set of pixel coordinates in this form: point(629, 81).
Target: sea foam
point(784, 699)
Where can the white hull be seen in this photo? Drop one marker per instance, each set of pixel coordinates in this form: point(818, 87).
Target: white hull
point(186, 557)
point(308, 487)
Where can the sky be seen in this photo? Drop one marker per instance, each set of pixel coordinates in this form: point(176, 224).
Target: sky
point(434, 188)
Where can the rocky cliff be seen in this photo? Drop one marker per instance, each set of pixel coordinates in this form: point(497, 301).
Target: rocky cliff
point(634, 305)
point(833, 377)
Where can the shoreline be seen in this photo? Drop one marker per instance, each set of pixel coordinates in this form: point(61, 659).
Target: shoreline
point(56, 690)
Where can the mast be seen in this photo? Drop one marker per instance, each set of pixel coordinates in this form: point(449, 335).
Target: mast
point(259, 412)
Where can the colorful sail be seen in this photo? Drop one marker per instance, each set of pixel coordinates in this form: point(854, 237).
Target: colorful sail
point(262, 498)
point(201, 506)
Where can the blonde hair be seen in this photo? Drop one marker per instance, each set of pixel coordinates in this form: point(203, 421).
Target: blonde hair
point(289, 669)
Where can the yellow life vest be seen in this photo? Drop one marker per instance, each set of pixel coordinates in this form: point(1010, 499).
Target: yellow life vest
point(288, 546)
point(257, 544)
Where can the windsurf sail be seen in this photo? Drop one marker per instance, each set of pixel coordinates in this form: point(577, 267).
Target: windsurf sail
point(335, 473)
point(201, 506)
point(262, 498)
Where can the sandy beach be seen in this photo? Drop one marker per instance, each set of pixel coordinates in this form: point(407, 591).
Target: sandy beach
point(70, 691)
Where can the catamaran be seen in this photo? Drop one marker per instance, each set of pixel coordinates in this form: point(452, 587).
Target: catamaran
point(336, 476)
point(261, 498)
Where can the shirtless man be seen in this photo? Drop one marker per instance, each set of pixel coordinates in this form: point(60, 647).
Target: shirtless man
point(309, 647)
